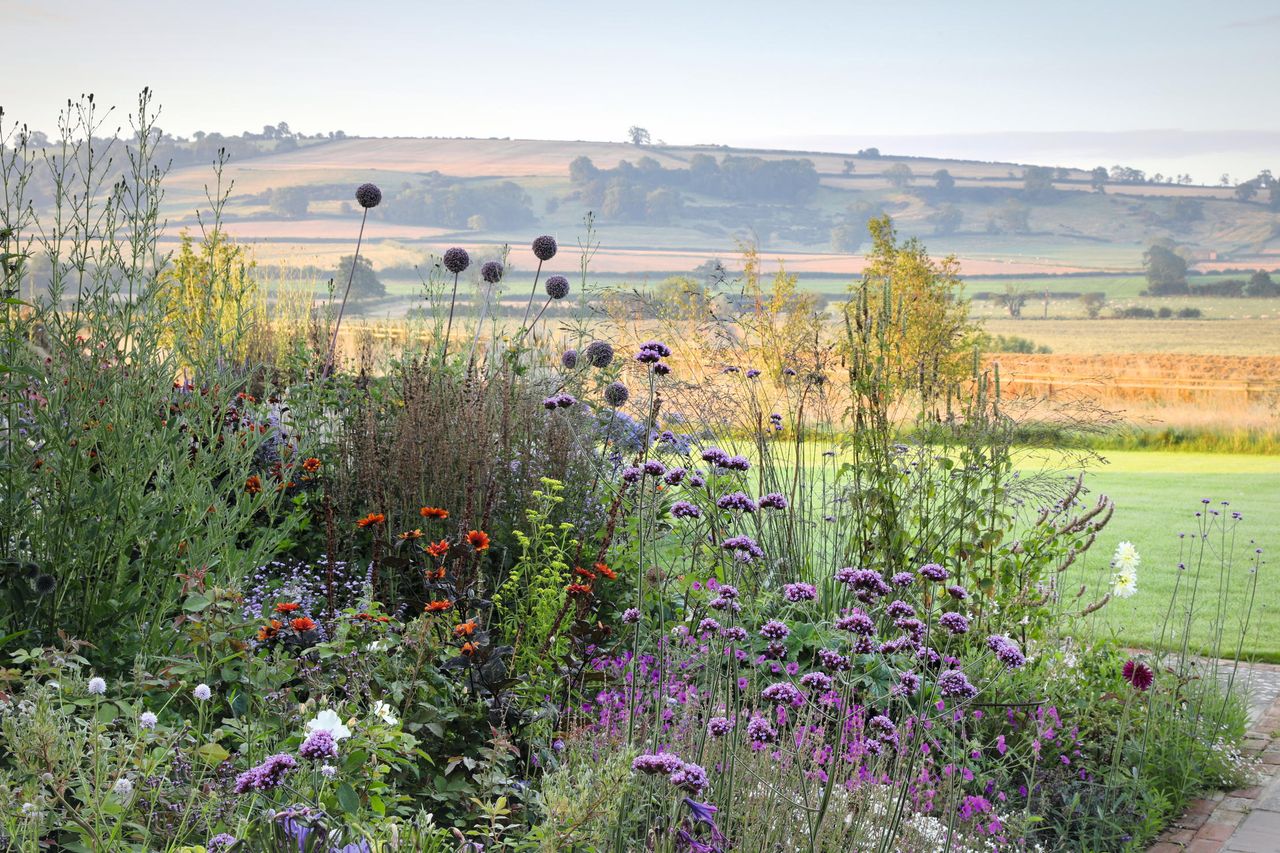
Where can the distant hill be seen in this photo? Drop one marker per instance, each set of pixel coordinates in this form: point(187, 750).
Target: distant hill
point(662, 209)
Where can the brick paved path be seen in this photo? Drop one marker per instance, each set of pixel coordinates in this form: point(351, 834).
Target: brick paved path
point(1246, 820)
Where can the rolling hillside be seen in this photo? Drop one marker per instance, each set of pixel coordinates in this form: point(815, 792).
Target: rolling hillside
point(994, 224)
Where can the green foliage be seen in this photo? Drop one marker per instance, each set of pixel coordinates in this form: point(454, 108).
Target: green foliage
point(364, 281)
point(1166, 270)
point(531, 604)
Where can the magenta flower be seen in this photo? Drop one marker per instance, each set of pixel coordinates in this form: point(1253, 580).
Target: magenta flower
point(1139, 675)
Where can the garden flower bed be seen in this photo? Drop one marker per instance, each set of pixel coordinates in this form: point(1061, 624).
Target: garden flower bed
point(587, 586)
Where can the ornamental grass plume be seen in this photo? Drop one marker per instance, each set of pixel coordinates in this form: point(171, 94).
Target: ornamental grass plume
point(368, 196)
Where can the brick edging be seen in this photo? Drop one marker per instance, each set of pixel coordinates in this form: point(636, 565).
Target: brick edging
point(1211, 820)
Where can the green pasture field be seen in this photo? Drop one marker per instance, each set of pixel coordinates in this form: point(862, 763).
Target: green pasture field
point(1157, 496)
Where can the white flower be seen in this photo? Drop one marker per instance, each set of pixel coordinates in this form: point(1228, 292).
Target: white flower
point(123, 787)
point(328, 771)
point(202, 692)
point(1126, 558)
point(383, 711)
point(30, 810)
point(97, 686)
point(1124, 584)
point(329, 721)
point(146, 720)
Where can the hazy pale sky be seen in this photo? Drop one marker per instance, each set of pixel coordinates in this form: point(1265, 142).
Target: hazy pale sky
point(932, 76)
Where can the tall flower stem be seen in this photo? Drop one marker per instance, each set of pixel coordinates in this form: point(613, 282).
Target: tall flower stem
point(453, 300)
point(333, 342)
point(532, 294)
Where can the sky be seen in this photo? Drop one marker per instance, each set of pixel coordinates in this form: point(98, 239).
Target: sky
point(1165, 86)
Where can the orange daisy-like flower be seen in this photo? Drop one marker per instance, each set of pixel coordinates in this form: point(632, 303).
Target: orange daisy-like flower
point(435, 574)
point(469, 648)
point(434, 512)
point(466, 629)
point(578, 589)
point(371, 519)
point(302, 624)
point(253, 485)
point(288, 607)
point(438, 606)
point(438, 549)
point(584, 573)
point(411, 534)
point(311, 465)
point(268, 631)
point(478, 539)
point(606, 571)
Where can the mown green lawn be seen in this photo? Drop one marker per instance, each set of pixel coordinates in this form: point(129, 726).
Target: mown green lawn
point(1157, 496)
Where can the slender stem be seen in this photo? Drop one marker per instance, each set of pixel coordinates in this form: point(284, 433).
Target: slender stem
point(532, 294)
point(453, 300)
point(333, 342)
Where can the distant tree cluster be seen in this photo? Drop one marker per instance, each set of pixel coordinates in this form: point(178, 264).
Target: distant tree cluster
point(1264, 187)
point(444, 200)
point(645, 191)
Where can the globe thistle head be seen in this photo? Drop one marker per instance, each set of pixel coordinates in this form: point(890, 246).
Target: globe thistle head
point(45, 584)
point(557, 286)
point(569, 359)
point(616, 394)
point(368, 195)
point(599, 353)
point(456, 259)
point(491, 272)
point(544, 247)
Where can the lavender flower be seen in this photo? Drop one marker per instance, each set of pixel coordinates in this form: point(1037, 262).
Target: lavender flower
point(319, 745)
point(147, 720)
point(752, 373)
point(816, 681)
point(799, 592)
point(690, 777)
point(654, 468)
point(719, 726)
point(857, 622)
point(773, 500)
point(898, 608)
point(715, 456)
point(657, 764)
point(933, 572)
point(902, 579)
point(957, 592)
point(267, 775)
point(708, 624)
point(220, 843)
point(954, 622)
point(1007, 651)
point(954, 683)
point(760, 730)
point(774, 630)
point(97, 686)
point(733, 633)
point(674, 476)
point(738, 463)
point(744, 548)
point(833, 660)
point(630, 616)
point(684, 509)
point(631, 474)
point(736, 501)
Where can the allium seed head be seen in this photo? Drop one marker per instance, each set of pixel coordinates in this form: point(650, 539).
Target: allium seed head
point(456, 260)
point(368, 196)
point(491, 272)
point(616, 394)
point(557, 287)
point(569, 359)
point(599, 353)
point(544, 248)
